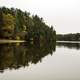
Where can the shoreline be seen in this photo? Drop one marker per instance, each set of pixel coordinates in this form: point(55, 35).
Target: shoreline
point(68, 41)
point(11, 41)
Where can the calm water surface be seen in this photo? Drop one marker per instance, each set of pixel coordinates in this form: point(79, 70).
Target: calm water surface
point(23, 63)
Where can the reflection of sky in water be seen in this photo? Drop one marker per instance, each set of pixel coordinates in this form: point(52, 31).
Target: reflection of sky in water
point(64, 64)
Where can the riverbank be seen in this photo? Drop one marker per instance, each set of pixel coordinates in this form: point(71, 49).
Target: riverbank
point(12, 41)
point(68, 41)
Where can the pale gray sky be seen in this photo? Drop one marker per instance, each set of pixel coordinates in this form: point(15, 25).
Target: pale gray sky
point(64, 15)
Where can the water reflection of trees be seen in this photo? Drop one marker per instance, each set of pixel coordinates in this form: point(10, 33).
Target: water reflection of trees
point(69, 45)
point(14, 56)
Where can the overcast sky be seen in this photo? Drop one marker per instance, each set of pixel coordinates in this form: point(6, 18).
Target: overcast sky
point(64, 15)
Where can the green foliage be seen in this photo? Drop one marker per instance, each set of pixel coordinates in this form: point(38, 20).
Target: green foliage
point(68, 37)
point(1, 18)
point(16, 24)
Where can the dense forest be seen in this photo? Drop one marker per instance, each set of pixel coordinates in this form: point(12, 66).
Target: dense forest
point(18, 25)
point(68, 37)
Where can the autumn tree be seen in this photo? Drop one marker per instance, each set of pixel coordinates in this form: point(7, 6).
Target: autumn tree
point(9, 25)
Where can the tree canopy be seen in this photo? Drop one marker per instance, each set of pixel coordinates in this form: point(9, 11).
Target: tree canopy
point(16, 24)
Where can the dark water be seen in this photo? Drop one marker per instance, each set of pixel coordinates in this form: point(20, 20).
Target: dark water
point(40, 62)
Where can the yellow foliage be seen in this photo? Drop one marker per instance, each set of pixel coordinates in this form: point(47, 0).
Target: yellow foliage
point(9, 21)
point(17, 37)
point(24, 28)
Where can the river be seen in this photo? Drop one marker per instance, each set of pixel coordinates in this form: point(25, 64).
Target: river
point(21, 63)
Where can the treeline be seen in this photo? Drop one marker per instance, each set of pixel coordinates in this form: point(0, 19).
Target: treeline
point(19, 25)
point(68, 37)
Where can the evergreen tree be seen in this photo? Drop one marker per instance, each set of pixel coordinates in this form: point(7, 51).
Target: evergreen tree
point(1, 23)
